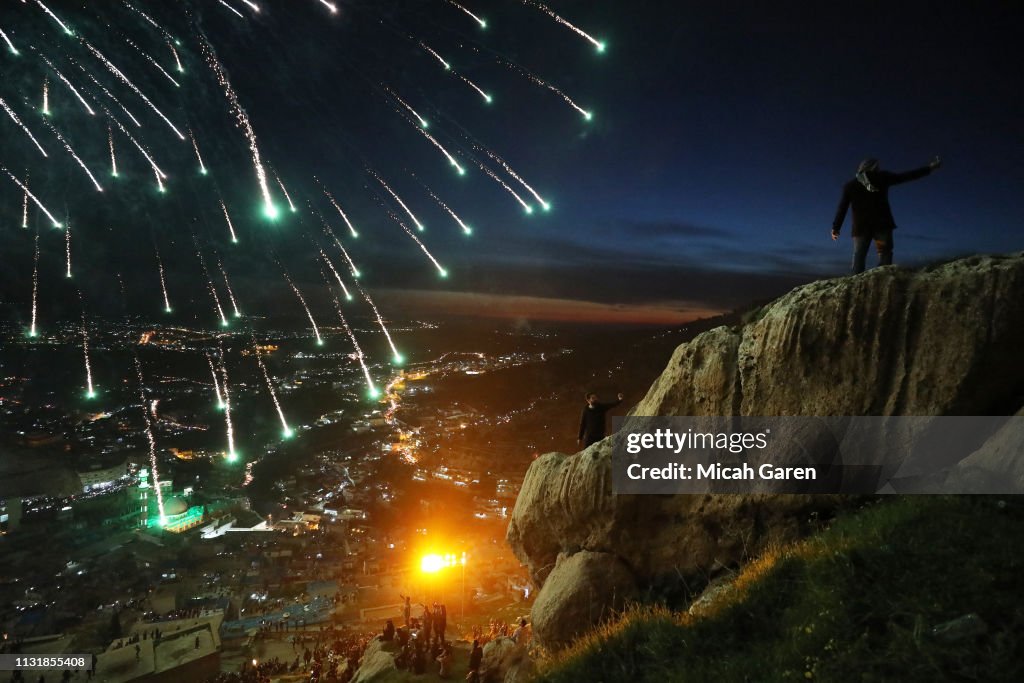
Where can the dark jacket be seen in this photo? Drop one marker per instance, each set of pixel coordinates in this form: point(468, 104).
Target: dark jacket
point(592, 421)
point(871, 212)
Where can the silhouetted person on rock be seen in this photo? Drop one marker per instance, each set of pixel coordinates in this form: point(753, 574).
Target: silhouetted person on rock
point(592, 421)
point(867, 195)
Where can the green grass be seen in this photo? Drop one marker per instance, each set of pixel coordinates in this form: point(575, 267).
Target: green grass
point(857, 602)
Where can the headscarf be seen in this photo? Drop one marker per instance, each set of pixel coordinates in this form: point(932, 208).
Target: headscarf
point(862, 173)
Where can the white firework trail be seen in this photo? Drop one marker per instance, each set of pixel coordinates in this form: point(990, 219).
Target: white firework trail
point(10, 45)
point(110, 95)
point(124, 79)
point(482, 22)
point(31, 196)
point(72, 88)
point(78, 160)
point(231, 227)
point(177, 60)
point(14, 117)
point(344, 217)
point(67, 249)
point(508, 169)
point(305, 306)
point(231, 294)
point(269, 210)
point(423, 122)
point(433, 53)
point(160, 175)
point(419, 226)
point(448, 155)
point(240, 15)
point(163, 281)
point(53, 16)
point(537, 80)
point(396, 356)
point(46, 96)
point(348, 259)
point(216, 383)
point(155, 63)
point(35, 289)
point(199, 157)
point(330, 6)
point(149, 19)
point(487, 98)
point(465, 228)
point(113, 157)
point(528, 208)
point(90, 390)
point(370, 387)
point(341, 283)
point(232, 455)
point(598, 44)
point(284, 191)
point(24, 209)
point(252, 5)
point(285, 429)
point(152, 442)
point(212, 289)
point(440, 269)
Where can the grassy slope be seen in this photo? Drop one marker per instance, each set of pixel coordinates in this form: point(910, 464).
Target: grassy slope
point(854, 603)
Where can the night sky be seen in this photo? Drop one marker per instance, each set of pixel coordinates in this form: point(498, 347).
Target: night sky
point(707, 179)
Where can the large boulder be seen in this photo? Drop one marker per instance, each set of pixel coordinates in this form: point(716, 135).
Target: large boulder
point(944, 340)
point(377, 665)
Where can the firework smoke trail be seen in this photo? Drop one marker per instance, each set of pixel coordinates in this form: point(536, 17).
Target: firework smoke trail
point(231, 294)
point(419, 226)
point(212, 289)
point(371, 388)
point(433, 53)
point(10, 45)
point(397, 357)
point(108, 94)
point(46, 96)
point(334, 203)
point(67, 248)
point(124, 79)
point(35, 289)
point(269, 210)
point(423, 122)
point(286, 430)
point(351, 264)
point(53, 129)
point(284, 191)
point(252, 5)
point(423, 247)
point(199, 157)
point(54, 17)
point(528, 208)
point(113, 158)
point(14, 117)
point(163, 281)
point(329, 5)
point(309, 313)
point(153, 62)
point(481, 22)
point(487, 98)
point(465, 228)
point(598, 44)
point(334, 270)
point(31, 196)
point(240, 15)
point(232, 455)
point(152, 441)
point(216, 383)
point(66, 82)
point(231, 228)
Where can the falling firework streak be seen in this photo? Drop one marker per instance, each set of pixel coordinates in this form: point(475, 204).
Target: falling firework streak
point(65, 81)
point(544, 8)
point(448, 155)
point(465, 228)
point(252, 5)
point(419, 226)
point(31, 196)
point(329, 5)
point(67, 248)
point(152, 442)
point(371, 389)
point(14, 117)
point(113, 158)
point(231, 228)
point(232, 456)
point(90, 391)
point(199, 157)
point(482, 22)
point(24, 209)
point(216, 383)
point(155, 63)
point(149, 19)
point(240, 15)
point(334, 270)
point(46, 96)
point(423, 122)
point(284, 191)
point(78, 160)
point(526, 207)
point(10, 45)
point(160, 175)
point(487, 98)
point(212, 289)
point(124, 79)
point(351, 264)
point(35, 288)
point(54, 17)
point(544, 84)
point(110, 95)
point(309, 313)
point(177, 60)
point(447, 66)
point(231, 294)
point(508, 169)
point(334, 203)
point(269, 210)
point(397, 357)
point(163, 281)
point(286, 430)
point(423, 247)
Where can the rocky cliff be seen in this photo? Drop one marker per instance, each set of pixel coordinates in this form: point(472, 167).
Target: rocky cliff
point(944, 340)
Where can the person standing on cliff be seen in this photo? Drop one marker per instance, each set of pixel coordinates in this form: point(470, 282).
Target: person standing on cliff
point(592, 421)
point(867, 195)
